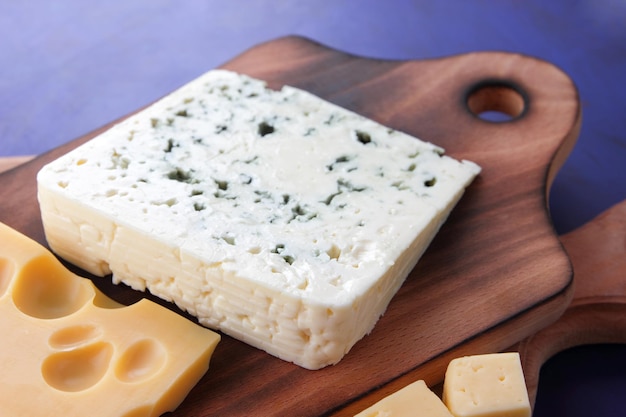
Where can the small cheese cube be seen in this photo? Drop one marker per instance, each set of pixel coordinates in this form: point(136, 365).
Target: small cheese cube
point(69, 350)
point(490, 385)
point(414, 400)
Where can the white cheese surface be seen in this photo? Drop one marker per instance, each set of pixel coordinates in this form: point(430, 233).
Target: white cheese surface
point(273, 216)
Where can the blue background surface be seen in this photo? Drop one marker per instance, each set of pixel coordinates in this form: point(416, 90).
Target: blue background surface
point(70, 66)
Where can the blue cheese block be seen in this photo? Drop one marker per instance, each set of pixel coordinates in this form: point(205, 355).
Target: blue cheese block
point(276, 217)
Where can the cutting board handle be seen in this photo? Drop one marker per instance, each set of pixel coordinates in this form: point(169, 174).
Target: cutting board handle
point(597, 313)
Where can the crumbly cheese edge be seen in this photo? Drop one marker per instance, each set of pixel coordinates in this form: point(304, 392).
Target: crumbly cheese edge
point(309, 333)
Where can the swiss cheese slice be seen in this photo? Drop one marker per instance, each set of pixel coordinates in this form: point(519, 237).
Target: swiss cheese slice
point(69, 350)
point(276, 217)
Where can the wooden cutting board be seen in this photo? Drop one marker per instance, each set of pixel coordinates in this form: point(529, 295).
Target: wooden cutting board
point(597, 313)
point(495, 274)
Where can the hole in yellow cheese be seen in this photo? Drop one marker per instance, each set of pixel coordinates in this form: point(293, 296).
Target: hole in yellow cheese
point(142, 360)
point(78, 369)
point(73, 336)
point(45, 289)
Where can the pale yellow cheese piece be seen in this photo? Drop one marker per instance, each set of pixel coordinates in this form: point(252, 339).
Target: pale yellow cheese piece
point(69, 350)
point(490, 385)
point(414, 400)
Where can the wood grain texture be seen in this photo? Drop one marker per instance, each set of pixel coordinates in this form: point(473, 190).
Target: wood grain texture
point(597, 313)
point(495, 274)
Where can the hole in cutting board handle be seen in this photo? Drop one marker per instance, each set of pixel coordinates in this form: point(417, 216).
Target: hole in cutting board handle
point(496, 101)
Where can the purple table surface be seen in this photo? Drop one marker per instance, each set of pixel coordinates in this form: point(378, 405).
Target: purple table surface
point(69, 66)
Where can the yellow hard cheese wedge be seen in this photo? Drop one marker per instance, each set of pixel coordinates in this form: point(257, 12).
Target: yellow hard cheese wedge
point(490, 385)
point(414, 400)
point(69, 350)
